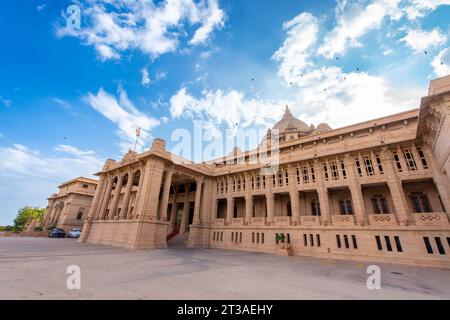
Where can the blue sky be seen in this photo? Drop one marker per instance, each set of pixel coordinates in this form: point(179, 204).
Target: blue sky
point(69, 99)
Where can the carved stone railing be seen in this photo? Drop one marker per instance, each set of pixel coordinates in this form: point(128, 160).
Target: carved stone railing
point(282, 221)
point(219, 222)
point(382, 219)
point(343, 220)
point(310, 220)
point(237, 221)
point(259, 221)
point(431, 219)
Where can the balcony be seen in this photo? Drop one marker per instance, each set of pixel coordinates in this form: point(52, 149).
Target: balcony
point(382, 219)
point(343, 220)
point(282, 221)
point(259, 221)
point(310, 220)
point(219, 222)
point(237, 221)
point(431, 219)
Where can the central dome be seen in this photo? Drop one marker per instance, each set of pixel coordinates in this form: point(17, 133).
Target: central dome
point(289, 123)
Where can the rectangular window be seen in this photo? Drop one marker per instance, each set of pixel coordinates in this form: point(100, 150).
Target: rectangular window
point(298, 175)
point(410, 161)
point(397, 162)
point(388, 243)
point(427, 242)
point(318, 240)
point(420, 202)
point(214, 236)
point(305, 175)
point(262, 238)
point(358, 167)
point(313, 175)
point(380, 166)
point(398, 244)
point(311, 239)
point(355, 244)
point(346, 206)
point(439, 245)
point(378, 240)
point(305, 240)
point(253, 237)
point(288, 238)
point(257, 237)
point(315, 207)
point(347, 245)
point(334, 171)
point(338, 241)
point(325, 171)
point(379, 204)
point(422, 158)
point(369, 166)
point(240, 237)
point(232, 237)
point(344, 172)
point(221, 236)
point(286, 177)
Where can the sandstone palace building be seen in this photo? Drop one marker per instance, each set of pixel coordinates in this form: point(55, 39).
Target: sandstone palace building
point(69, 207)
point(373, 191)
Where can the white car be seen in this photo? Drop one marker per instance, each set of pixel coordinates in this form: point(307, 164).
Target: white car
point(74, 233)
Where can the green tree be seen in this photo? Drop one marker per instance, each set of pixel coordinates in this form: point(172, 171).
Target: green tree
point(24, 214)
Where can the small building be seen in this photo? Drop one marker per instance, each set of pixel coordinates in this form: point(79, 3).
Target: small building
point(69, 207)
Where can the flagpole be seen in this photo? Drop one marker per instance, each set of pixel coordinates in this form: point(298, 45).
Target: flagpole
point(138, 133)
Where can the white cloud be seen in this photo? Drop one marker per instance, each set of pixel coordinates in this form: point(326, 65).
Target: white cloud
point(65, 106)
point(441, 63)
point(114, 26)
point(73, 150)
point(353, 21)
point(145, 78)
point(40, 7)
point(420, 40)
point(296, 49)
point(228, 108)
point(418, 8)
point(25, 171)
point(125, 115)
point(6, 102)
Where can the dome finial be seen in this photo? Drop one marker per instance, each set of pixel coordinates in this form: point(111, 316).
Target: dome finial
point(287, 113)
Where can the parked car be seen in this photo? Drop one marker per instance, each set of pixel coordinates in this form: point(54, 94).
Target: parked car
point(57, 233)
point(74, 233)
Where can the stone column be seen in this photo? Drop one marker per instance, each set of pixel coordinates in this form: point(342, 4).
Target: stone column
point(440, 180)
point(293, 194)
point(126, 198)
point(395, 186)
point(230, 209)
point(187, 205)
point(322, 192)
point(105, 199)
point(270, 202)
point(174, 211)
point(198, 198)
point(97, 201)
point(248, 209)
point(361, 217)
point(150, 196)
point(166, 194)
point(115, 203)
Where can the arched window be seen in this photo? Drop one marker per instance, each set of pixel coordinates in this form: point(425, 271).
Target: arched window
point(79, 215)
point(125, 180)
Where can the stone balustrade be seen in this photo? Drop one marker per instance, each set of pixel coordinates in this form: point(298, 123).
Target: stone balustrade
point(282, 221)
point(259, 221)
point(382, 219)
point(220, 222)
point(237, 221)
point(310, 220)
point(343, 220)
point(431, 219)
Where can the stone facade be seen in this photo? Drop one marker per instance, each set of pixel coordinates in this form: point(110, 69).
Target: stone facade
point(70, 207)
point(373, 191)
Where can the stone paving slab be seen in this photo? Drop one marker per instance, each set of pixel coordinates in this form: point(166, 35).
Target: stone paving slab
point(35, 268)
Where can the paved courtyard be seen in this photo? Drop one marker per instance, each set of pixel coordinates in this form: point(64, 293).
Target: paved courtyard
point(35, 268)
